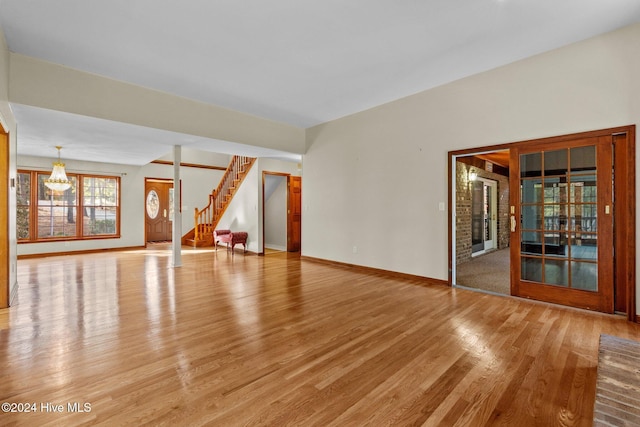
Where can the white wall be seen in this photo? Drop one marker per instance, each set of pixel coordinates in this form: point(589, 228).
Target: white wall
point(8, 122)
point(245, 210)
point(275, 213)
point(373, 181)
point(197, 184)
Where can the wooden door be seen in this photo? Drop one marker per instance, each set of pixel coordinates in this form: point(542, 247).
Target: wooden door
point(562, 218)
point(294, 213)
point(159, 210)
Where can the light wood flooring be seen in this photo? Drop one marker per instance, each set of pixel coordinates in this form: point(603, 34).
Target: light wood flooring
point(232, 339)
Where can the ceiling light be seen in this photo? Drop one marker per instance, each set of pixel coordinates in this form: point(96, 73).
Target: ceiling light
point(58, 180)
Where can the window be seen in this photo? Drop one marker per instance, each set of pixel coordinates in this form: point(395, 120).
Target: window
point(100, 204)
point(89, 209)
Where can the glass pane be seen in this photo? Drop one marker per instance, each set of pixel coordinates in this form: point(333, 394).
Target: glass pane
point(531, 269)
point(556, 272)
point(531, 165)
point(555, 244)
point(531, 190)
point(99, 220)
point(583, 159)
point(555, 217)
point(531, 217)
point(56, 210)
point(555, 190)
point(583, 189)
point(584, 246)
point(153, 204)
point(56, 222)
point(584, 218)
point(584, 275)
point(531, 243)
point(555, 162)
point(100, 191)
point(49, 197)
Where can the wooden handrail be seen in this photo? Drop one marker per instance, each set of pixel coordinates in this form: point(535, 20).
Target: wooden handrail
point(206, 219)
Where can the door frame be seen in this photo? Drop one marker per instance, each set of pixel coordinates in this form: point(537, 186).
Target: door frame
point(264, 178)
point(624, 196)
point(289, 210)
point(5, 275)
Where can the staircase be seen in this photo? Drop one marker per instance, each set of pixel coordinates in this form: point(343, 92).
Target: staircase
point(206, 219)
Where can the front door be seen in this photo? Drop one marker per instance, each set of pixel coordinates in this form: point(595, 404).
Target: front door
point(158, 210)
point(561, 218)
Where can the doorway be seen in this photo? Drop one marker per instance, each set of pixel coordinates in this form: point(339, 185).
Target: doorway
point(481, 236)
point(571, 219)
point(158, 210)
point(282, 212)
point(275, 212)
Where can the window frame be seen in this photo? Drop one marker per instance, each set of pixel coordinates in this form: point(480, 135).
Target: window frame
point(80, 205)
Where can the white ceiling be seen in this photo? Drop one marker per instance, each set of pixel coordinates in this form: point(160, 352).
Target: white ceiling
point(295, 61)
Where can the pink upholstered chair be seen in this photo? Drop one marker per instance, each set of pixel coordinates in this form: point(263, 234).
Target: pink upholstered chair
point(230, 237)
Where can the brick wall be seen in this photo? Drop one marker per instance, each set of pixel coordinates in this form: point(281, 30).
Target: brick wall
point(463, 209)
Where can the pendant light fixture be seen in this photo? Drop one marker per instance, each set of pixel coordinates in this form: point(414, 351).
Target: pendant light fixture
point(58, 180)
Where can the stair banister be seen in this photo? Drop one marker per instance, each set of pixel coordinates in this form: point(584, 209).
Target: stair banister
point(206, 219)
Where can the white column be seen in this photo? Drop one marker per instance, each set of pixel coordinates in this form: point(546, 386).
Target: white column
point(177, 214)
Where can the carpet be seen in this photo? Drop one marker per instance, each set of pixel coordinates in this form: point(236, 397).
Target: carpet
point(489, 272)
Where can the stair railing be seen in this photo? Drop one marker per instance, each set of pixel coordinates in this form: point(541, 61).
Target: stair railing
point(206, 219)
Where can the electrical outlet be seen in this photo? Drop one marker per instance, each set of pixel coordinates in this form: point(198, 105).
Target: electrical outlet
point(355, 249)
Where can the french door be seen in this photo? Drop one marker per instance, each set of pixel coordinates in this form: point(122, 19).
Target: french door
point(561, 220)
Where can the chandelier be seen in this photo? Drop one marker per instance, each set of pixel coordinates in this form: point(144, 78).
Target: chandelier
point(58, 180)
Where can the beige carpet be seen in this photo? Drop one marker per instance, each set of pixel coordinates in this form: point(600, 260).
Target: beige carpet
point(489, 272)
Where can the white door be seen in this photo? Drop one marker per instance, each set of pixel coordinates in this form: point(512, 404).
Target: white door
point(484, 207)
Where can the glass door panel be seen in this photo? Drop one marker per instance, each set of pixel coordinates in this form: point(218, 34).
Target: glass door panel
point(546, 217)
point(560, 236)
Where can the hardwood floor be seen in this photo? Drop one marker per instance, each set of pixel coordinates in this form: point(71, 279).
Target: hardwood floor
point(232, 339)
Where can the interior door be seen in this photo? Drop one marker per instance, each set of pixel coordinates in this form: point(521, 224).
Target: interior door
point(294, 213)
point(561, 218)
point(159, 210)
